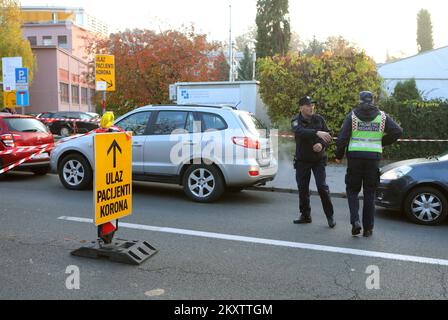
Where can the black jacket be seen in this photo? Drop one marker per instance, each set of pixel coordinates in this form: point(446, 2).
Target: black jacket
point(305, 133)
point(366, 113)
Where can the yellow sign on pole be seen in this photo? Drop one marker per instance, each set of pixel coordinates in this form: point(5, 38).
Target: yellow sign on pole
point(113, 176)
point(9, 99)
point(105, 72)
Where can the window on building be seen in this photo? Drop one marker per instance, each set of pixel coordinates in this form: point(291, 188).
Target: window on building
point(47, 40)
point(54, 17)
point(75, 94)
point(83, 95)
point(92, 97)
point(64, 92)
point(33, 41)
point(62, 42)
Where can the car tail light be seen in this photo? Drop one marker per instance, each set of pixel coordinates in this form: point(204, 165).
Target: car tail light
point(246, 142)
point(8, 140)
point(254, 173)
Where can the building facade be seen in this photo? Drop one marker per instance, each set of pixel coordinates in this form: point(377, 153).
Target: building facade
point(59, 38)
point(429, 69)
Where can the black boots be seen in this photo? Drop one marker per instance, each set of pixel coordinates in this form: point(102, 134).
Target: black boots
point(356, 229)
point(304, 218)
point(367, 233)
point(331, 222)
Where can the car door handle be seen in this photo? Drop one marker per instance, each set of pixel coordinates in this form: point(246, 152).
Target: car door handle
point(190, 143)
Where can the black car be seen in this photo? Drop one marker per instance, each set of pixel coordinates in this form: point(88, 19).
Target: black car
point(69, 122)
point(419, 187)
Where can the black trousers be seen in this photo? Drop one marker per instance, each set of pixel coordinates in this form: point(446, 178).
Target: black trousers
point(366, 174)
point(303, 176)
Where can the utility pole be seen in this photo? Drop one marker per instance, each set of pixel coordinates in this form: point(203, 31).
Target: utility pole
point(231, 76)
point(254, 64)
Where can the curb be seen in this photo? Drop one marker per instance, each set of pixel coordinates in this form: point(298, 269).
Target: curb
point(341, 195)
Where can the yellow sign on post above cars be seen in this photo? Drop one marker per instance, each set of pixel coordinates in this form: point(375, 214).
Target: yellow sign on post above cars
point(105, 72)
point(113, 176)
point(9, 99)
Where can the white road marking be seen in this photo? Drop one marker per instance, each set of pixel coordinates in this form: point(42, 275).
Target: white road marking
point(279, 243)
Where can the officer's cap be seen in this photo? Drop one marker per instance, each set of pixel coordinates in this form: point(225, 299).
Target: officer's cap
point(305, 101)
point(366, 97)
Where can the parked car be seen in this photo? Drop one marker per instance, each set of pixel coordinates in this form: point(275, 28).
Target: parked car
point(77, 122)
point(419, 187)
point(24, 131)
point(204, 176)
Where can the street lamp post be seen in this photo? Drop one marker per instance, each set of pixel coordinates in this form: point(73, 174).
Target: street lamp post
point(231, 76)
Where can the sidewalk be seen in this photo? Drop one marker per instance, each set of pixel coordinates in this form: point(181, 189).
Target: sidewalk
point(285, 181)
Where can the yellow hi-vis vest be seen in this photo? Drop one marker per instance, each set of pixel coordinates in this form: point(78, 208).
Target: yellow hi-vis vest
point(367, 136)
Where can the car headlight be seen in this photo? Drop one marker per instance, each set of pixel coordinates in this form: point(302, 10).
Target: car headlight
point(396, 173)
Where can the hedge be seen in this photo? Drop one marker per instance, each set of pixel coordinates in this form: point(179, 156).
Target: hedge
point(420, 120)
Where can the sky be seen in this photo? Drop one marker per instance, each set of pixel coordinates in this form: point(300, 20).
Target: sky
point(377, 26)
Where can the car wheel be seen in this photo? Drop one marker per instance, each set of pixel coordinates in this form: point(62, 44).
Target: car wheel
point(203, 183)
point(64, 132)
point(426, 206)
point(40, 171)
point(75, 172)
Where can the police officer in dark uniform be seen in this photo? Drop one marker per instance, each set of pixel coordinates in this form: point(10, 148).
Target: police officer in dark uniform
point(366, 130)
point(312, 139)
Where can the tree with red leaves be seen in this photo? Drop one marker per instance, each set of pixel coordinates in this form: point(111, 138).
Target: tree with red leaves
point(146, 63)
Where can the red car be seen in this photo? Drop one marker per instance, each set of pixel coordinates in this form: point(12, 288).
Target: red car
point(24, 131)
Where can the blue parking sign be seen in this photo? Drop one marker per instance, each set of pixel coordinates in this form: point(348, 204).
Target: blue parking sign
point(22, 76)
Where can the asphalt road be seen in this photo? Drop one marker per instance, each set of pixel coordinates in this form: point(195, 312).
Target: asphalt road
point(269, 259)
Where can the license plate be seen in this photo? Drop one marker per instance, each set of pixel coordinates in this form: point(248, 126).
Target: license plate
point(264, 154)
point(41, 156)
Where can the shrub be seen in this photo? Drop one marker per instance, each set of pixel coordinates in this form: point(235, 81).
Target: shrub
point(406, 91)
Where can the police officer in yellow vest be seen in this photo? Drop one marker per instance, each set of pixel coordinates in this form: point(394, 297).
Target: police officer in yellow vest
point(366, 130)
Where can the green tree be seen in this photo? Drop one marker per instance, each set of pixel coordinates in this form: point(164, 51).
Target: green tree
point(12, 43)
point(334, 81)
point(313, 47)
point(425, 40)
point(273, 28)
point(245, 70)
point(406, 91)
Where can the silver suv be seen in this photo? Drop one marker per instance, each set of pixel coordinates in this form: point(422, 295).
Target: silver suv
point(205, 149)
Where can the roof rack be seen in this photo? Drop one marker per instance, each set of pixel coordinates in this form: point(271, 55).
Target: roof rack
point(207, 106)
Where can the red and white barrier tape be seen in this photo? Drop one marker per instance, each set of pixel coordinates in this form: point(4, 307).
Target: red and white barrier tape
point(12, 166)
point(400, 140)
point(49, 120)
point(23, 149)
point(49, 147)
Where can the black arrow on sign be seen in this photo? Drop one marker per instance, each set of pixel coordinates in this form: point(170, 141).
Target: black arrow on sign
point(114, 146)
point(109, 84)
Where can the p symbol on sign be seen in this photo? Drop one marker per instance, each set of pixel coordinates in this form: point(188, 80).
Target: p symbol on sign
point(21, 74)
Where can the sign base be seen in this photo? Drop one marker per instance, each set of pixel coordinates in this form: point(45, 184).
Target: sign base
point(121, 251)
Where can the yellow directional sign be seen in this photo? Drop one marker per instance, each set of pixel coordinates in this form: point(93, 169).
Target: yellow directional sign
point(113, 176)
point(9, 99)
point(105, 72)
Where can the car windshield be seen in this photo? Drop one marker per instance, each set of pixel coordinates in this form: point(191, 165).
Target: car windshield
point(25, 125)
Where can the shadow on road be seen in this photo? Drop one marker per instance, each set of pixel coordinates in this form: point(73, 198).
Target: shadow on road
point(176, 192)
